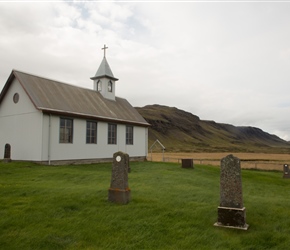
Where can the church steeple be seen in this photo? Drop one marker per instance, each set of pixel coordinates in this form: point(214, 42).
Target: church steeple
point(104, 80)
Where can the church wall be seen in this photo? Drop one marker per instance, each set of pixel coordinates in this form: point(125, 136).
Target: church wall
point(79, 149)
point(20, 125)
point(140, 142)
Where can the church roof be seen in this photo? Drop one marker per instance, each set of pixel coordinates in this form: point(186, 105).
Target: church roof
point(104, 70)
point(50, 96)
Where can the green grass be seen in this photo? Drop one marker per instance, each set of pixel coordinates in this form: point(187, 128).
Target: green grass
point(66, 207)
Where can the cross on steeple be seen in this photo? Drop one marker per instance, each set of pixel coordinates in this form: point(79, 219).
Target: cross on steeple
point(105, 50)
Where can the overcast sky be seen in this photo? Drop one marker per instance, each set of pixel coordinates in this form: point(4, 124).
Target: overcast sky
point(222, 61)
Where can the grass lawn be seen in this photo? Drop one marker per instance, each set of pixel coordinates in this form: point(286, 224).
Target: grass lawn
point(66, 207)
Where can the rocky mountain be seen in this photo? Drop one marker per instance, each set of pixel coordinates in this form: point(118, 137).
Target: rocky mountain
point(181, 131)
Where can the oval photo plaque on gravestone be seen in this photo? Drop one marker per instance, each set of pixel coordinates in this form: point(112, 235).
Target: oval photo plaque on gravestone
point(118, 158)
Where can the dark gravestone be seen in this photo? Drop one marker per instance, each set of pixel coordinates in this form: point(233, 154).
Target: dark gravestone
point(119, 192)
point(127, 163)
point(231, 212)
point(7, 153)
point(187, 163)
point(286, 171)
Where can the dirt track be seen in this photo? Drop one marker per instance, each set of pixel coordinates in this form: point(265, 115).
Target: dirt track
point(248, 160)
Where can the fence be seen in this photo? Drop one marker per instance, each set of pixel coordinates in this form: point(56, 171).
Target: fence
point(245, 164)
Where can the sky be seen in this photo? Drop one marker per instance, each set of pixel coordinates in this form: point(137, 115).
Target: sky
point(226, 61)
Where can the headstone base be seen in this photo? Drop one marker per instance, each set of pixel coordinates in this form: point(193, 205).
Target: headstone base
point(187, 163)
point(119, 196)
point(6, 160)
point(286, 175)
point(232, 218)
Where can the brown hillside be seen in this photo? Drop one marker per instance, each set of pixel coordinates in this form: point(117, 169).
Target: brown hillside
point(181, 131)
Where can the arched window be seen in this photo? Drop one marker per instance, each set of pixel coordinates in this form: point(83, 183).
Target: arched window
point(110, 86)
point(99, 86)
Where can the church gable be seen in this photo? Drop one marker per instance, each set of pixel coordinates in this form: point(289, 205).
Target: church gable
point(15, 101)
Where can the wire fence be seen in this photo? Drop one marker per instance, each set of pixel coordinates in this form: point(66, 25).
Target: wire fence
point(245, 164)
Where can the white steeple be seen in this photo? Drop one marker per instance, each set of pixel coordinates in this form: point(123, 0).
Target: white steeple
point(104, 80)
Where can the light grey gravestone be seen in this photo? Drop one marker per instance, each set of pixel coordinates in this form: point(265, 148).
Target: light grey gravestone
point(286, 173)
point(231, 212)
point(7, 153)
point(119, 191)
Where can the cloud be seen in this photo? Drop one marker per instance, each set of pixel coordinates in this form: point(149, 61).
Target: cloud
point(227, 62)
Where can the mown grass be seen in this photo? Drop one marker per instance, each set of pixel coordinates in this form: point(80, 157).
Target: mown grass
point(66, 207)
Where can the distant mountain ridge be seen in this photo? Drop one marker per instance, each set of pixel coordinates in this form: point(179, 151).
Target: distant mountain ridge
point(181, 131)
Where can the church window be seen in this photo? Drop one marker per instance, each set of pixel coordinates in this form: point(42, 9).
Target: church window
point(112, 133)
point(66, 130)
point(15, 97)
point(129, 135)
point(110, 86)
point(91, 132)
point(99, 86)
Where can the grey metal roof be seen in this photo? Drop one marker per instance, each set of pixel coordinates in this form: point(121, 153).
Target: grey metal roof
point(104, 70)
point(54, 97)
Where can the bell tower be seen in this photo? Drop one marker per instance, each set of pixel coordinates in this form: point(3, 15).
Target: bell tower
point(104, 80)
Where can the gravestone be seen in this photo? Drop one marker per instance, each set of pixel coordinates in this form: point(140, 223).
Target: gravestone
point(127, 163)
point(231, 212)
point(7, 153)
point(286, 171)
point(187, 163)
point(119, 192)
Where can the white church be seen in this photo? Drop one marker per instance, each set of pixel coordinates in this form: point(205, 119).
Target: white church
point(51, 122)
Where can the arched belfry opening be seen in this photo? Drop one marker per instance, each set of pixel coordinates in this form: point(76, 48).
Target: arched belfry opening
point(104, 80)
